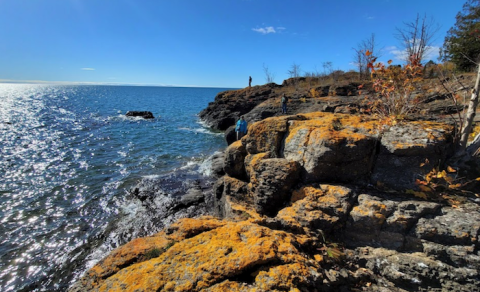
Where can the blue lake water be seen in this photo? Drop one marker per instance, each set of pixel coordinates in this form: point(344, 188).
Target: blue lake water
point(68, 156)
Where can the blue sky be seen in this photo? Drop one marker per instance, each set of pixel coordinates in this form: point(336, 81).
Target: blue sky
point(208, 43)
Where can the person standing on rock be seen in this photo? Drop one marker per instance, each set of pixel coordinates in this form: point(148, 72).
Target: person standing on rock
point(241, 128)
point(284, 103)
point(249, 81)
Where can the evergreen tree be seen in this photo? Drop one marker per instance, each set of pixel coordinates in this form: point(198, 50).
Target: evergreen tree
point(462, 43)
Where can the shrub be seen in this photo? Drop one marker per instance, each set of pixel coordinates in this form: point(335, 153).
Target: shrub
point(394, 87)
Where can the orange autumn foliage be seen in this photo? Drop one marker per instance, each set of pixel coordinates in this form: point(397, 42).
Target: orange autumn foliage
point(395, 88)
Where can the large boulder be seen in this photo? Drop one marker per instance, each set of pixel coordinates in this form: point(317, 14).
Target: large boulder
point(271, 182)
point(267, 136)
point(325, 207)
point(226, 188)
point(234, 164)
point(332, 148)
point(410, 150)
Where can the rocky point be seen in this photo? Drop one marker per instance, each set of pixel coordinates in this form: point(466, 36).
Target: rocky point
point(322, 199)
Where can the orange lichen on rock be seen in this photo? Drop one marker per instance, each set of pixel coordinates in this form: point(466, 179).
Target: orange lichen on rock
point(321, 207)
point(370, 209)
point(239, 211)
point(251, 161)
point(327, 130)
point(122, 256)
point(136, 250)
point(416, 135)
point(228, 285)
point(266, 135)
point(216, 256)
point(188, 227)
point(358, 123)
point(283, 277)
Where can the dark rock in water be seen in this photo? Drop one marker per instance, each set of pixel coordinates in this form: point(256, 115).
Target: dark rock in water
point(143, 114)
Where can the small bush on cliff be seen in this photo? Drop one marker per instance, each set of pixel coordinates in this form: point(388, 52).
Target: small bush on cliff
point(394, 87)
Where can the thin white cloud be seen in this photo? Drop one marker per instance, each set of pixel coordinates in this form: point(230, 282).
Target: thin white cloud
point(268, 29)
point(369, 17)
point(431, 53)
point(398, 54)
point(88, 69)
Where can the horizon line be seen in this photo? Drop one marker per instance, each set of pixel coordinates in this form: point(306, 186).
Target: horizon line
point(13, 81)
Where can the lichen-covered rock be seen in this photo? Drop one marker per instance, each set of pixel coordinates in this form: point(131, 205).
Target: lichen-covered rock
point(417, 272)
point(369, 216)
point(332, 148)
point(409, 150)
point(212, 259)
point(352, 148)
point(384, 220)
point(325, 208)
point(452, 226)
point(140, 250)
point(320, 91)
point(266, 136)
point(392, 242)
point(271, 182)
point(234, 160)
point(229, 187)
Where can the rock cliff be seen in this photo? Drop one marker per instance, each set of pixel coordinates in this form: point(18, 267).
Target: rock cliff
point(313, 201)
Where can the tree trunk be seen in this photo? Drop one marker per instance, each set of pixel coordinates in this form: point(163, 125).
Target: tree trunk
point(474, 148)
point(472, 106)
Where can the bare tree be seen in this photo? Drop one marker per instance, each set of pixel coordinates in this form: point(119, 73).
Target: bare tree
point(417, 36)
point(360, 57)
point(327, 68)
point(269, 76)
point(294, 73)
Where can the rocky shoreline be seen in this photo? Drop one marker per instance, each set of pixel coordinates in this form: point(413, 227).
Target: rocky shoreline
point(322, 199)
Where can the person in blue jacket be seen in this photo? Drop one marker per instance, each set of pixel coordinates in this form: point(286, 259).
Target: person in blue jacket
point(241, 128)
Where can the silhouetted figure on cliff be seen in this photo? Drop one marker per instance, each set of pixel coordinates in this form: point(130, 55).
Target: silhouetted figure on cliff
point(249, 81)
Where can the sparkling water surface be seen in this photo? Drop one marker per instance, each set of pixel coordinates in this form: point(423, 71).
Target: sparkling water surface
point(68, 155)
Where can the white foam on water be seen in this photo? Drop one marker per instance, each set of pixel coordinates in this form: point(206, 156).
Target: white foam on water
point(190, 164)
point(206, 166)
point(151, 176)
